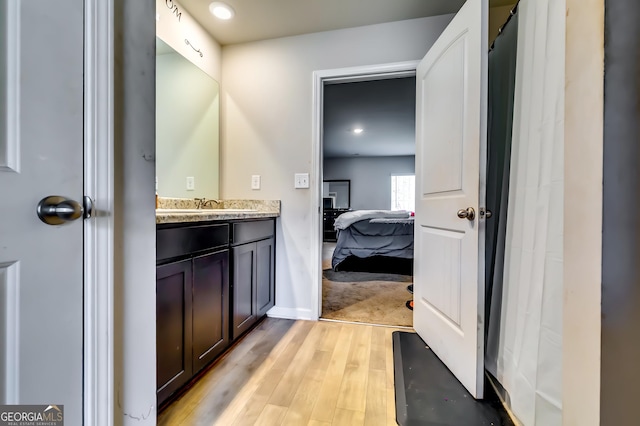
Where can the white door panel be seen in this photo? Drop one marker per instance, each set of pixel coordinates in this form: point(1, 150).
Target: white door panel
point(442, 259)
point(449, 250)
point(41, 154)
point(443, 162)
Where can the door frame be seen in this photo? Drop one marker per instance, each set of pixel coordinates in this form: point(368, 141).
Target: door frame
point(320, 77)
point(98, 368)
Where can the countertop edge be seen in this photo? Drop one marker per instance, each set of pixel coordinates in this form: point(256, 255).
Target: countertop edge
point(203, 217)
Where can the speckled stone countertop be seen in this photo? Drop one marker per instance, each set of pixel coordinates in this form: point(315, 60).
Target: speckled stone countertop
point(215, 210)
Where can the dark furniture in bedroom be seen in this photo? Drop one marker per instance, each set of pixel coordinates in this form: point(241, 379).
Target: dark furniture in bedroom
point(328, 219)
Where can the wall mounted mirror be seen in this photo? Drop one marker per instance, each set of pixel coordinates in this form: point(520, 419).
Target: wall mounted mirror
point(187, 127)
point(336, 194)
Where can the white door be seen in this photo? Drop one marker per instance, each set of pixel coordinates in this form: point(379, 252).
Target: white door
point(449, 250)
point(41, 154)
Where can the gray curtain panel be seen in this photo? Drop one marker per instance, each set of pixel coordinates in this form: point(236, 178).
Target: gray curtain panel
point(502, 76)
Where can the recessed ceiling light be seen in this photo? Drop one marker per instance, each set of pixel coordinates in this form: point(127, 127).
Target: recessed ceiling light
point(358, 130)
point(221, 10)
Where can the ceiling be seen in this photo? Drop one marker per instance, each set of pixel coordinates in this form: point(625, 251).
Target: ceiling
point(384, 109)
point(265, 19)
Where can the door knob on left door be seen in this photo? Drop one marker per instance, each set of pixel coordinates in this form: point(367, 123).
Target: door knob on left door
point(56, 210)
point(469, 213)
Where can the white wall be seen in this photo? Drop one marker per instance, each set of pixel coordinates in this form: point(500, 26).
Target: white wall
point(134, 244)
point(370, 178)
point(266, 126)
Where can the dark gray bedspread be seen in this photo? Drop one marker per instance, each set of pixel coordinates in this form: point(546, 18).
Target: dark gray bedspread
point(375, 237)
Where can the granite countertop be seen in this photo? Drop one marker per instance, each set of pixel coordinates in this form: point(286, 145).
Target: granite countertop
point(220, 210)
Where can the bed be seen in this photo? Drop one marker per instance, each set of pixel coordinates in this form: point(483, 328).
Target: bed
point(374, 241)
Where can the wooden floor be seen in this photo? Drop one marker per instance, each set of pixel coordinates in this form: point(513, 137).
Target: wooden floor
point(296, 373)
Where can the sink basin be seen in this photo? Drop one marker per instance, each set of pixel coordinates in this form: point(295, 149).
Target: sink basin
point(202, 211)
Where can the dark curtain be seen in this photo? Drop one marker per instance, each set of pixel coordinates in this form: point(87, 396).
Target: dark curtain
point(502, 77)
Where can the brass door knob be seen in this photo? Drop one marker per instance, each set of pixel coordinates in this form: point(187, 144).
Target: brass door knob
point(469, 213)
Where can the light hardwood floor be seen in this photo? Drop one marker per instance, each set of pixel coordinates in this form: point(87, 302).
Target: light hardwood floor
point(296, 373)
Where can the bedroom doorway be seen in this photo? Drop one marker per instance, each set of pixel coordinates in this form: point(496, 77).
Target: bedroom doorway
point(366, 141)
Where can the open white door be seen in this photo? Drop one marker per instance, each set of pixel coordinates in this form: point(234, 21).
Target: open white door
point(450, 164)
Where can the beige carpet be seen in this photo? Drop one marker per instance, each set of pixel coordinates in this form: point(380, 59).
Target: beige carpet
point(366, 297)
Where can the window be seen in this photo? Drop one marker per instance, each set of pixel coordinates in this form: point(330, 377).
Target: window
point(403, 192)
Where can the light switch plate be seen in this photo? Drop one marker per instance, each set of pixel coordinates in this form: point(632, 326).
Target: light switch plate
point(191, 183)
point(301, 180)
point(255, 181)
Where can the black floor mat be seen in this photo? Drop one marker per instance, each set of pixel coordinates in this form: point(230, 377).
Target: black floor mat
point(427, 393)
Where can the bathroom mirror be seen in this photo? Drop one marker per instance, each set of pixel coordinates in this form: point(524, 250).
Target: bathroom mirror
point(336, 194)
point(187, 127)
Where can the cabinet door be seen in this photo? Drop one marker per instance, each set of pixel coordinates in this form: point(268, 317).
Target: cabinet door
point(265, 277)
point(173, 327)
point(210, 307)
point(244, 284)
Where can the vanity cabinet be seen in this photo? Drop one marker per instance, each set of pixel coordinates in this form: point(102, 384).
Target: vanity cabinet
point(173, 327)
point(210, 307)
point(245, 302)
point(265, 275)
point(253, 284)
point(214, 281)
point(192, 302)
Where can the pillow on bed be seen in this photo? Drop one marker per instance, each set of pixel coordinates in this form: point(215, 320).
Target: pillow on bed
point(346, 219)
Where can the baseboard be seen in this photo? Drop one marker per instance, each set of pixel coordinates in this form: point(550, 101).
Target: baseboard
point(290, 313)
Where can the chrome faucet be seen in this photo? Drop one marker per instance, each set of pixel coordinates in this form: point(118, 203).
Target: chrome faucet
point(202, 203)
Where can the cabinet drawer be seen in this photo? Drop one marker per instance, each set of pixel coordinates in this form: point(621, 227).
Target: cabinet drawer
point(175, 242)
point(244, 232)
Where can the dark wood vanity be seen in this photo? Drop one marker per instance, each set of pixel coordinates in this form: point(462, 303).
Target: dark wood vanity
point(253, 251)
point(214, 281)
